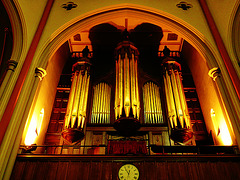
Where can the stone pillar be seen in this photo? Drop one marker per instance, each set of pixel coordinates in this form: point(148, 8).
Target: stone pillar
point(13, 135)
point(227, 109)
point(5, 84)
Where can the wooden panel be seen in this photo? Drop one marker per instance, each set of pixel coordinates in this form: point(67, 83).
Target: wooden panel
point(41, 170)
point(173, 171)
point(100, 168)
point(74, 170)
point(142, 170)
point(193, 170)
point(18, 170)
point(106, 171)
point(29, 170)
point(96, 171)
point(150, 171)
point(234, 170)
point(62, 170)
point(161, 171)
point(183, 170)
point(52, 170)
point(115, 167)
point(205, 171)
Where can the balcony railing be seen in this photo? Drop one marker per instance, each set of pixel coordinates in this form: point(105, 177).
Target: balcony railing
point(151, 150)
point(78, 54)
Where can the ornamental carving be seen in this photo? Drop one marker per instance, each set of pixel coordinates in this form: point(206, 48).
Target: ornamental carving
point(69, 6)
point(214, 73)
point(184, 6)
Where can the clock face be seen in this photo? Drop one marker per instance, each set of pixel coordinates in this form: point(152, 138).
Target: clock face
point(128, 172)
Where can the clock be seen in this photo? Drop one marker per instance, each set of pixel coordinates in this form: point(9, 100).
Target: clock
point(128, 172)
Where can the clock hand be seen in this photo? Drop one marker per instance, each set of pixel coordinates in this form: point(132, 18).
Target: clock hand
point(126, 170)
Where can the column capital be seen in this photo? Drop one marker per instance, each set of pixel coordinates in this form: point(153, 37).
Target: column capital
point(82, 64)
point(12, 64)
point(40, 72)
point(171, 66)
point(214, 73)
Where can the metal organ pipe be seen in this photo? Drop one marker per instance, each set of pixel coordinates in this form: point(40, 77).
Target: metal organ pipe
point(127, 105)
point(101, 103)
point(176, 103)
point(152, 103)
point(74, 121)
point(127, 97)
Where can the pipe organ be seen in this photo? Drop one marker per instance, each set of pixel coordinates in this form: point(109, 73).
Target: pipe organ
point(127, 100)
point(152, 104)
point(180, 124)
point(101, 104)
point(127, 104)
point(75, 116)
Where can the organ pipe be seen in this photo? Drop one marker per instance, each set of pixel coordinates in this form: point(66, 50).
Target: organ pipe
point(127, 103)
point(126, 95)
point(176, 102)
point(101, 103)
point(152, 103)
point(75, 117)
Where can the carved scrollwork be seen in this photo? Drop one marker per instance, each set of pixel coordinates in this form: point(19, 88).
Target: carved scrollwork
point(214, 73)
point(40, 73)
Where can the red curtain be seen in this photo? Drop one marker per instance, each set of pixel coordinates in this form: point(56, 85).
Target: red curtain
point(127, 147)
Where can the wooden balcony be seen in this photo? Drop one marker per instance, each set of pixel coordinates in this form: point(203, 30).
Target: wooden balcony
point(171, 164)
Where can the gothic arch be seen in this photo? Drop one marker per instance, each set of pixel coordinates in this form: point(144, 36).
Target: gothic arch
point(208, 53)
point(127, 10)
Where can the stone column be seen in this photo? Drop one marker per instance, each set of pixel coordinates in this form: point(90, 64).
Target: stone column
point(13, 135)
point(5, 84)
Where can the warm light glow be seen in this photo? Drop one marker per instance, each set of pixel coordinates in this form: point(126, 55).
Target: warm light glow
point(221, 129)
point(212, 113)
point(34, 128)
point(31, 132)
point(39, 125)
point(224, 134)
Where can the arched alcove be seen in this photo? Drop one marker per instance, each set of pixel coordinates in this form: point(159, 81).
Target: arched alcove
point(198, 56)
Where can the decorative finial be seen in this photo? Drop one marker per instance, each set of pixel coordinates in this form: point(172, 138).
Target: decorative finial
point(125, 34)
point(69, 5)
point(183, 5)
point(85, 51)
point(166, 51)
